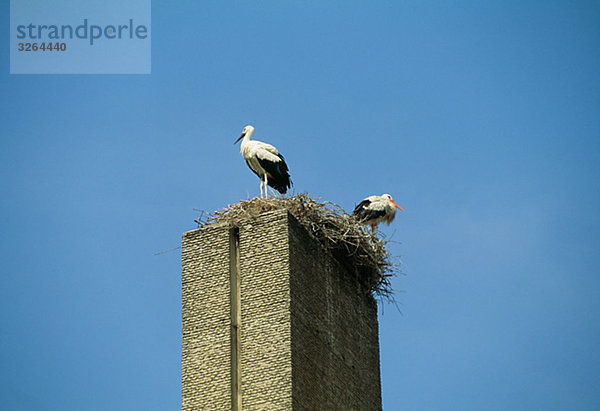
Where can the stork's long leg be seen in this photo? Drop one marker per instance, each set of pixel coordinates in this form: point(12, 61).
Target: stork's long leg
point(261, 188)
point(266, 186)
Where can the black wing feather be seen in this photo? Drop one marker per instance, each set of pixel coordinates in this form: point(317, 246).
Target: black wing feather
point(363, 213)
point(277, 173)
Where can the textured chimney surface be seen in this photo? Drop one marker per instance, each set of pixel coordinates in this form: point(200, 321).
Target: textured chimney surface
point(272, 321)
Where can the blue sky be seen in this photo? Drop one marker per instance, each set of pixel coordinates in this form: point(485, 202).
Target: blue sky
point(480, 118)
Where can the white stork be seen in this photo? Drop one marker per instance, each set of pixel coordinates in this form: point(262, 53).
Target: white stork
point(266, 162)
point(375, 209)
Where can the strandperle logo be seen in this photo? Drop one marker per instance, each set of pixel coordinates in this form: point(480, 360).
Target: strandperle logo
point(85, 31)
point(80, 37)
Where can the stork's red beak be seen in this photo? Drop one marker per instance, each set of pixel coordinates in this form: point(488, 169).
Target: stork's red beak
point(396, 204)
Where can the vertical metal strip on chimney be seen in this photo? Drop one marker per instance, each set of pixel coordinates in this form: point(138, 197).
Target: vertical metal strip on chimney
point(236, 317)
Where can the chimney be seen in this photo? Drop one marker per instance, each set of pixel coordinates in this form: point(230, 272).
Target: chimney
point(272, 321)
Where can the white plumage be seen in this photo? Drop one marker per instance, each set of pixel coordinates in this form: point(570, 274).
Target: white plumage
point(266, 162)
point(376, 209)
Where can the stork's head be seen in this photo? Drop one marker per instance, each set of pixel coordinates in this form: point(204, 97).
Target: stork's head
point(391, 200)
point(247, 131)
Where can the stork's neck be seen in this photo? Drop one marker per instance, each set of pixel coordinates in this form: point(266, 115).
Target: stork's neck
point(247, 137)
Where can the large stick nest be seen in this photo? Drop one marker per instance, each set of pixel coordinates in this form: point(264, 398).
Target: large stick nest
point(341, 234)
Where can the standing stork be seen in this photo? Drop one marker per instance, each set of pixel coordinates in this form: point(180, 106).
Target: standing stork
point(266, 162)
point(375, 209)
